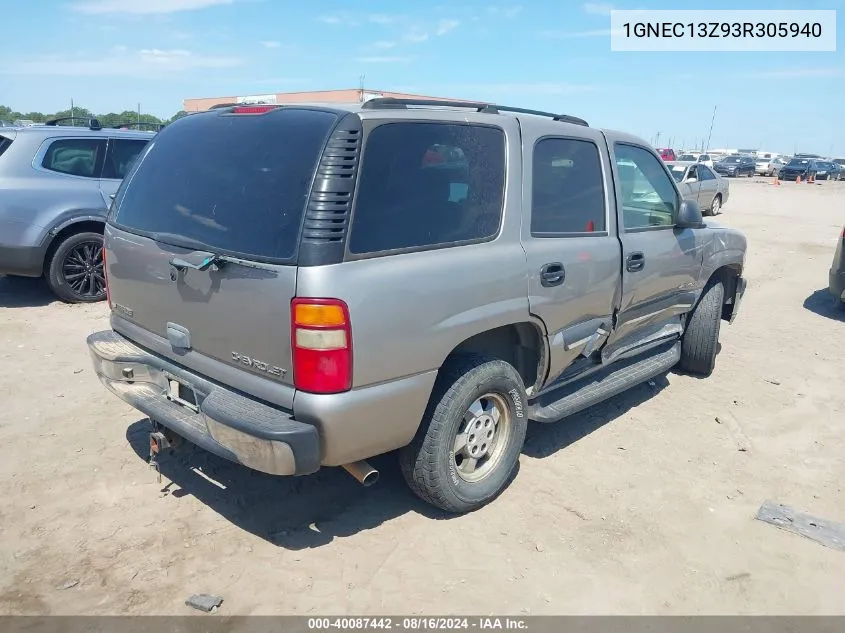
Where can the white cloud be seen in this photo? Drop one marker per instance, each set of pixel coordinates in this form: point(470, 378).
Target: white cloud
point(505, 12)
point(149, 62)
point(271, 44)
point(446, 25)
point(381, 18)
point(416, 35)
point(145, 6)
point(795, 73)
point(384, 44)
point(598, 8)
point(329, 19)
point(382, 59)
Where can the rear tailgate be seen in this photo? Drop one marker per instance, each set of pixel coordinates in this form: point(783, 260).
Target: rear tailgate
point(226, 186)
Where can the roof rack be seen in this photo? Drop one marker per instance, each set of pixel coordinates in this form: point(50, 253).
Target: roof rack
point(93, 124)
point(385, 103)
point(223, 105)
point(157, 126)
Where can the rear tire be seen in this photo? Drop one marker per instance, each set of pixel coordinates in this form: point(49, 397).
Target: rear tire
point(701, 335)
point(477, 409)
point(75, 271)
point(716, 205)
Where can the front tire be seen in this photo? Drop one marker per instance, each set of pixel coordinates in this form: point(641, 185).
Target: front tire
point(75, 273)
point(471, 435)
point(701, 335)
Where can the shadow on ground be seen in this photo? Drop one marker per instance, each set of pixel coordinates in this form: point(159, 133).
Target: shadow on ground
point(24, 292)
point(304, 512)
point(824, 304)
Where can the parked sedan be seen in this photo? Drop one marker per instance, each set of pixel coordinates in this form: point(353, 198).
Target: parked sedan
point(768, 166)
point(798, 167)
point(735, 166)
point(826, 170)
point(700, 183)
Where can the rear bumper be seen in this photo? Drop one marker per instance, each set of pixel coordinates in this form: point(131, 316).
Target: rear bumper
point(25, 261)
point(224, 422)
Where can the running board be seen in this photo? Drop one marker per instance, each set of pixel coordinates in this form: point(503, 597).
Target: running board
point(618, 377)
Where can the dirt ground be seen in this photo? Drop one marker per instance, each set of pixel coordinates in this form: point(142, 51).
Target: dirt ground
point(642, 505)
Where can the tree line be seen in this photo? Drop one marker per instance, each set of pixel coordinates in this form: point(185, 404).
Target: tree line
point(110, 119)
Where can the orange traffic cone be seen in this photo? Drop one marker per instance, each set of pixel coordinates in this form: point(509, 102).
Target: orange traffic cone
point(797, 178)
point(812, 179)
point(776, 181)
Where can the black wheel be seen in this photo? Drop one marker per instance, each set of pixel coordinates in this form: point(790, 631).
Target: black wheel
point(468, 444)
point(75, 272)
point(701, 336)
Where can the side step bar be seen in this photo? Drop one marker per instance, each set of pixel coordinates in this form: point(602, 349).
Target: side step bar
point(580, 394)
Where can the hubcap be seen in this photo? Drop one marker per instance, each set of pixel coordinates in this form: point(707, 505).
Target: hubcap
point(83, 269)
point(482, 437)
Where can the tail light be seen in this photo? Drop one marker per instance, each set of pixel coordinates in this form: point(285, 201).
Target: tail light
point(321, 345)
point(106, 278)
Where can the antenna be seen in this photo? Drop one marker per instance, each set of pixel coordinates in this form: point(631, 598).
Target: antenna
point(710, 134)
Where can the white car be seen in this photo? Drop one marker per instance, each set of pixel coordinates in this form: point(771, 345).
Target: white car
point(768, 166)
point(706, 159)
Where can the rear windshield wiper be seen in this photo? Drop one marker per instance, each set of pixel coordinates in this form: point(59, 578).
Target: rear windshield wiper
point(213, 261)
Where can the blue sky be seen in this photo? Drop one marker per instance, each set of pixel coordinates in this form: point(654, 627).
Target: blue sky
point(110, 55)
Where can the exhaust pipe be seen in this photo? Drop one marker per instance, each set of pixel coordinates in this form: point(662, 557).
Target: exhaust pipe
point(363, 472)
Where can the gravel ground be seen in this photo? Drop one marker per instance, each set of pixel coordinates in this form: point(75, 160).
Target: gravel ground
point(644, 504)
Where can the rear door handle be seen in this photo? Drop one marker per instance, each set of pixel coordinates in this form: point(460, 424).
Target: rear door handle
point(552, 274)
point(635, 262)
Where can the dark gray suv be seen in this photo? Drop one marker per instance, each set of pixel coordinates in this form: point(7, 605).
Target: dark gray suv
point(56, 184)
point(294, 287)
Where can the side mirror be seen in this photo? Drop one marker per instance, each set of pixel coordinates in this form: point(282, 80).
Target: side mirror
point(112, 196)
point(689, 215)
point(691, 180)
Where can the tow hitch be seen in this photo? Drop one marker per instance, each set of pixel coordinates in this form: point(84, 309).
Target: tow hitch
point(161, 439)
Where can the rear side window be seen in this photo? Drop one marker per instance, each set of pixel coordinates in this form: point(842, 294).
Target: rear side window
point(428, 184)
point(4, 144)
point(121, 156)
point(75, 156)
point(229, 183)
point(567, 194)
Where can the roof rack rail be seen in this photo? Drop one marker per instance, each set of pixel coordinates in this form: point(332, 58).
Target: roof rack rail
point(157, 126)
point(381, 103)
point(223, 105)
point(93, 124)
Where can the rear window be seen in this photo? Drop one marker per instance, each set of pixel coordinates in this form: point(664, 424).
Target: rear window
point(4, 144)
point(428, 184)
point(231, 184)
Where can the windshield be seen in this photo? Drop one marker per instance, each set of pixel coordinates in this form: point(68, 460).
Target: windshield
point(678, 172)
point(799, 162)
point(236, 184)
point(731, 160)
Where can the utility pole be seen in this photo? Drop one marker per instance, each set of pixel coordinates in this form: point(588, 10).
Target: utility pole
point(71, 111)
point(139, 115)
point(657, 140)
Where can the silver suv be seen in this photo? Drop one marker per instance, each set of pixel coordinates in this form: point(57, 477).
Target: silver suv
point(56, 184)
point(299, 286)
